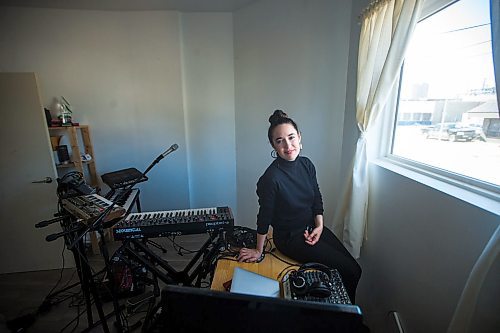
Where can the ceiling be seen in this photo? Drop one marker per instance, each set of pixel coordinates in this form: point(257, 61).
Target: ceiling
point(131, 5)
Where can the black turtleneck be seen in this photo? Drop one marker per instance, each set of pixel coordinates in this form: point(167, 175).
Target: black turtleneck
point(289, 196)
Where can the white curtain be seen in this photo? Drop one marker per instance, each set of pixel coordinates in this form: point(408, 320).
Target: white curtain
point(387, 26)
point(495, 43)
point(460, 322)
point(464, 311)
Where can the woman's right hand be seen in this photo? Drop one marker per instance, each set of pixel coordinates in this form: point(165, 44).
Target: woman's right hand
point(249, 255)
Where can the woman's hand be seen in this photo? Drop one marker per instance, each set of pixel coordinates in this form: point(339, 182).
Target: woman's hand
point(249, 255)
point(312, 237)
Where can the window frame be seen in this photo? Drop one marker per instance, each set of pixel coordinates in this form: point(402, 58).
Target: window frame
point(474, 191)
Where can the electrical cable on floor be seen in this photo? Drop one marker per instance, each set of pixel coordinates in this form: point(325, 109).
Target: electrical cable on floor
point(60, 273)
point(21, 323)
point(48, 300)
point(77, 319)
point(178, 247)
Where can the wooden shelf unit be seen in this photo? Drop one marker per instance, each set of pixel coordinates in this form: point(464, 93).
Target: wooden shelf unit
point(80, 143)
point(87, 168)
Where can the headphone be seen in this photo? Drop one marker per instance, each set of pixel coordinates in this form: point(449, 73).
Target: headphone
point(319, 286)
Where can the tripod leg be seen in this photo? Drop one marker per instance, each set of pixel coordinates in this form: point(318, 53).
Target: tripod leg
point(82, 269)
point(98, 305)
point(107, 264)
point(89, 289)
point(83, 275)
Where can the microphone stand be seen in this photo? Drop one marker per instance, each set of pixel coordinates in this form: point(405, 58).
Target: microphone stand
point(97, 225)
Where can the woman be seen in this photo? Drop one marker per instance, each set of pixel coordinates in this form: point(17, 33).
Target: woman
point(290, 201)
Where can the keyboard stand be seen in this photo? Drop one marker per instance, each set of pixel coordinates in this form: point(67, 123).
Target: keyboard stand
point(136, 201)
point(161, 269)
point(156, 245)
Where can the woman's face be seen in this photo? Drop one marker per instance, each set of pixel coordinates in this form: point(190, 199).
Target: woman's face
point(286, 141)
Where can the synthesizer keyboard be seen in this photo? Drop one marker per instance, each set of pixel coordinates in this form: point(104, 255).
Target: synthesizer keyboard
point(90, 206)
point(123, 197)
point(174, 222)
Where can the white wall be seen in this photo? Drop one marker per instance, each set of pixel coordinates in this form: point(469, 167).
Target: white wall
point(123, 74)
point(290, 55)
point(421, 247)
point(208, 76)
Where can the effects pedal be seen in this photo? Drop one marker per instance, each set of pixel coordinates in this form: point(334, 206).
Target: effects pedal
point(316, 286)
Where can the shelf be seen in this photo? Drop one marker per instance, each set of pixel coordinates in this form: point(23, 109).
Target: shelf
point(79, 143)
point(66, 165)
point(66, 127)
point(72, 164)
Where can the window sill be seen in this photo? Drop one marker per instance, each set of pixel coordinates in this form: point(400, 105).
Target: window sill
point(477, 196)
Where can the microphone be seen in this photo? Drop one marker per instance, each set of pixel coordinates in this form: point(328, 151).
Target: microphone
point(159, 158)
point(170, 150)
point(55, 236)
point(47, 222)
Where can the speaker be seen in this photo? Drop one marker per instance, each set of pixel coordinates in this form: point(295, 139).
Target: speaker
point(62, 154)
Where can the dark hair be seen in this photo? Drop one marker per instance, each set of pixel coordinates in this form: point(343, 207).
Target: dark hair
point(277, 118)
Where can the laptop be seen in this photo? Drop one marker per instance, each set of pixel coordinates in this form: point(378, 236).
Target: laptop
point(250, 283)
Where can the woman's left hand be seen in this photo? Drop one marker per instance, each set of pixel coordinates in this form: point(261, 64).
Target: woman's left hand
point(312, 237)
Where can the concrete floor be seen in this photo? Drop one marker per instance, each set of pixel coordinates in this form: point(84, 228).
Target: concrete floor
point(21, 294)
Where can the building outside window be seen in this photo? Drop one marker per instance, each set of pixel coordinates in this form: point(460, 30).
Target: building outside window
point(447, 115)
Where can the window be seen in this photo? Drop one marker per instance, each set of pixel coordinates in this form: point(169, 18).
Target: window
point(447, 115)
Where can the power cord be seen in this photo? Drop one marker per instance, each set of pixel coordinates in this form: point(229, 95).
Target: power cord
point(22, 323)
point(179, 248)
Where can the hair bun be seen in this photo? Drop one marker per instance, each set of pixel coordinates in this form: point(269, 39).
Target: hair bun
point(276, 116)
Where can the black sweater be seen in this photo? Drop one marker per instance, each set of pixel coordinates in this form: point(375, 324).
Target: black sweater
point(289, 196)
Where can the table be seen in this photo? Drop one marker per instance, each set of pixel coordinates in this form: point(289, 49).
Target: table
point(271, 267)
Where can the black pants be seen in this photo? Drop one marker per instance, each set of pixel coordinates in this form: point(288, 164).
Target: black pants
point(327, 251)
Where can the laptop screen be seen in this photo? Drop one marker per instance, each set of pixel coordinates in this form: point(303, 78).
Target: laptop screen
point(250, 283)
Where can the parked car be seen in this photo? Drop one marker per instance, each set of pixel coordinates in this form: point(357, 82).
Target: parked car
point(453, 132)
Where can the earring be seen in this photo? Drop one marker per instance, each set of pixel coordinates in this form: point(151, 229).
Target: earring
point(301, 146)
point(274, 154)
